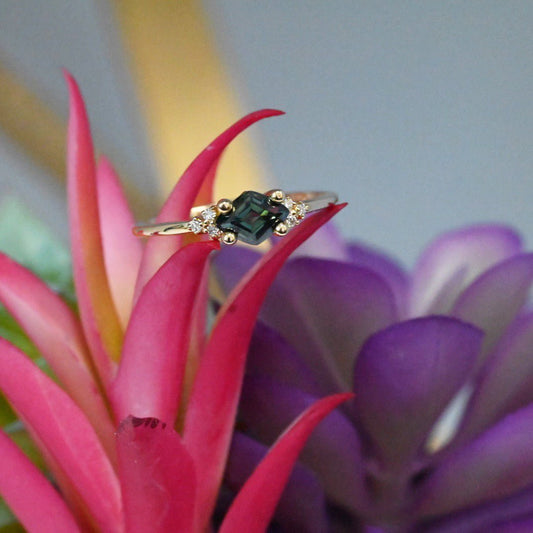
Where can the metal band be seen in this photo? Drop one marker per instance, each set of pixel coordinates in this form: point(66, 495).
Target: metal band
point(306, 202)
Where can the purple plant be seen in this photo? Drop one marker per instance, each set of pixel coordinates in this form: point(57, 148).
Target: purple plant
point(439, 436)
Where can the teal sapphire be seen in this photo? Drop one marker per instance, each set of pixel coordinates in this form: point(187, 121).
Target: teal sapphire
point(254, 217)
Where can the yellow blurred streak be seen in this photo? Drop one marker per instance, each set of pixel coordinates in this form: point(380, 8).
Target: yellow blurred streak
point(183, 89)
point(30, 123)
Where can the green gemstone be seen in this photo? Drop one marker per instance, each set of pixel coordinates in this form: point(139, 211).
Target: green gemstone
point(254, 217)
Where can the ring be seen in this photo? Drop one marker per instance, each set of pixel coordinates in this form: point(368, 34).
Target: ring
point(252, 217)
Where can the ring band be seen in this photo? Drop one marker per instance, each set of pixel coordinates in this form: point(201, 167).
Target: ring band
point(252, 217)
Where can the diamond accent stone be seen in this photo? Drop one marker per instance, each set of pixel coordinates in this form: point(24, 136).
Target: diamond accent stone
point(301, 209)
point(214, 231)
point(297, 212)
point(209, 214)
point(196, 225)
point(288, 202)
point(291, 221)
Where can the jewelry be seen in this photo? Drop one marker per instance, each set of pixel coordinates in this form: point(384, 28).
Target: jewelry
point(252, 217)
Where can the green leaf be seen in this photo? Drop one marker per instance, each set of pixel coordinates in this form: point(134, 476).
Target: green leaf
point(10, 330)
point(32, 244)
point(8, 521)
point(22, 439)
point(7, 415)
point(29, 242)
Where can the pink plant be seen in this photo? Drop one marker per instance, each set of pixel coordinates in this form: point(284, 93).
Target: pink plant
point(136, 428)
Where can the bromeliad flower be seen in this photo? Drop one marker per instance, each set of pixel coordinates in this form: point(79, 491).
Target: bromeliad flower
point(136, 428)
point(439, 436)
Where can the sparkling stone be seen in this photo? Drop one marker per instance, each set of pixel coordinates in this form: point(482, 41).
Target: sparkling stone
point(214, 231)
point(291, 221)
point(209, 215)
point(301, 209)
point(288, 202)
point(196, 225)
point(253, 218)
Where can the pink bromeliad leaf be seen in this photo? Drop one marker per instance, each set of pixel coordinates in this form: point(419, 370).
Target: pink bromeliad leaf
point(199, 312)
point(254, 506)
point(155, 350)
point(99, 319)
point(66, 436)
point(122, 250)
point(32, 498)
point(56, 332)
point(211, 411)
point(199, 317)
point(186, 192)
point(157, 477)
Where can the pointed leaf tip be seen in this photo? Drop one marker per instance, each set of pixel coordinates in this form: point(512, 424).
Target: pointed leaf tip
point(266, 112)
point(99, 319)
point(198, 175)
point(69, 79)
point(254, 505)
point(212, 407)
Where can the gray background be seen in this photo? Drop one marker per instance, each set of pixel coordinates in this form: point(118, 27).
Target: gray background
point(417, 113)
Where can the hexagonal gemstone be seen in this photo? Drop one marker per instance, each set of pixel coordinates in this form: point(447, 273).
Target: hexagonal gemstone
point(253, 218)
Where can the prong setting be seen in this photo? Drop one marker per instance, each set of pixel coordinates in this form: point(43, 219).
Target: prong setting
point(297, 211)
point(224, 206)
point(277, 196)
point(250, 218)
point(196, 225)
point(229, 238)
point(281, 229)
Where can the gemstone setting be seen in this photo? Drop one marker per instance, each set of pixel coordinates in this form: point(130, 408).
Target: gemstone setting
point(254, 217)
point(209, 214)
point(297, 212)
point(214, 231)
point(196, 225)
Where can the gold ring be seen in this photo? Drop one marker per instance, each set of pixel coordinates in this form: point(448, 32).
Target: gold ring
point(252, 217)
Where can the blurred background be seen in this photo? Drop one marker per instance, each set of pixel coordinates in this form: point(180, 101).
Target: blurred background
point(419, 114)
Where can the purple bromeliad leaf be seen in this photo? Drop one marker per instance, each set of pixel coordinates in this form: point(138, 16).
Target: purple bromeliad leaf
point(437, 397)
point(213, 402)
point(256, 501)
